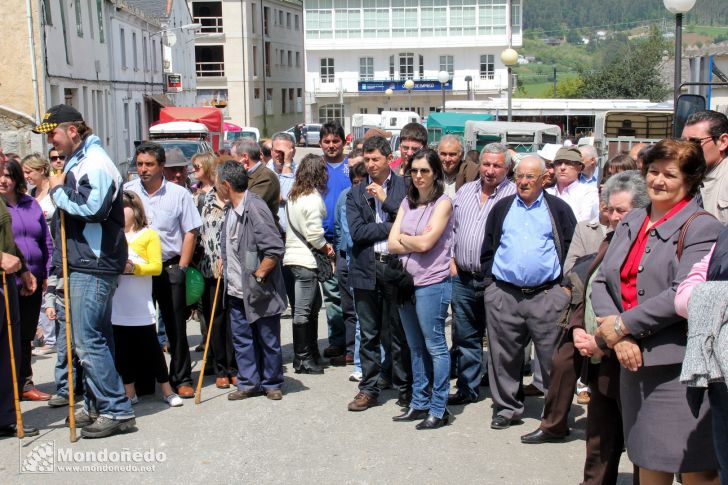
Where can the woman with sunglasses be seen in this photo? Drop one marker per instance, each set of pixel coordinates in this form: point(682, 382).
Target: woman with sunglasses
point(422, 236)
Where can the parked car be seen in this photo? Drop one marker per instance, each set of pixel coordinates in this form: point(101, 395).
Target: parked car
point(310, 134)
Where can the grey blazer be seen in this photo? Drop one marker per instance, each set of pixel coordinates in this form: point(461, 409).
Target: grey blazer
point(258, 237)
point(586, 240)
point(661, 332)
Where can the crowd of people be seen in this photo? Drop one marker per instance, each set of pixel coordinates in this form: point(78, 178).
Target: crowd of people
point(604, 281)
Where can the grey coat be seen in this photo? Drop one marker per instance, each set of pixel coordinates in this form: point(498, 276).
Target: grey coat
point(586, 240)
point(258, 237)
point(660, 331)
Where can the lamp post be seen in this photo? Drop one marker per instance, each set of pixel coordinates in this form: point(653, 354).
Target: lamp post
point(408, 85)
point(678, 7)
point(388, 93)
point(469, 79)
point(443, 77)
point(509, 57)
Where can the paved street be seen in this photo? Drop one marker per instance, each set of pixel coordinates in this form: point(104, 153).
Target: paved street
point(308, 437)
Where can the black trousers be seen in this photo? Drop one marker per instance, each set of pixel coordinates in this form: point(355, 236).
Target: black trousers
point(135, 345)
point(379, 323)
point(7, 407)
point(168, 290)
point(29, 312)
point(347, 302)
point(221, 340)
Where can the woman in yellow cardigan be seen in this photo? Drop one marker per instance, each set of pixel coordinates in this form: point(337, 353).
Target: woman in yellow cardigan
point(133, 313)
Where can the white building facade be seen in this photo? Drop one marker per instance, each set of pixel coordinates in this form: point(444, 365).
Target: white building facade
point(358, 49)
point(250, 61)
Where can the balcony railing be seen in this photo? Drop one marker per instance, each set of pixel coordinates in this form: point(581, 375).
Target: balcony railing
point(210, 25)
point(210, 69)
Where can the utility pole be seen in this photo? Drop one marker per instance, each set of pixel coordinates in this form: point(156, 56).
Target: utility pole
point(554, 81)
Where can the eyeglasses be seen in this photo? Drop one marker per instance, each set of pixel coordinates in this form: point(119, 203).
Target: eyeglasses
point(696, 140)
point(409, 148)
point(419, 171)
point(527, 176)
point(58, 157)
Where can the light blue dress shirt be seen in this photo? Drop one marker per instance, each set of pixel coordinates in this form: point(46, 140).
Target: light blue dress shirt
point(526, 256)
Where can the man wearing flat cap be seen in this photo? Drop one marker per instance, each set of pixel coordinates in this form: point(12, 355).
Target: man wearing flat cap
point(89, 192)
point(582, 198)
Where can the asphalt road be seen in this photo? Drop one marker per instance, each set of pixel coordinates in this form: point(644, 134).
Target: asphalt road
point(308, 437)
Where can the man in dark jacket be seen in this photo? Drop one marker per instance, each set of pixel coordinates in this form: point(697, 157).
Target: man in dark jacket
point(89, 192)
point(371, 208)
point(527, 236)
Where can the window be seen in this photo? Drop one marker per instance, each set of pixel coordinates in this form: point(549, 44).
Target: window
point(433, 20)
point(290, 100)
point(145, 54)
point(363, 110)
point(100, 13)
point(487, 66)
point(288, 20)
point(284, 105)
point(256, 93)
point(319, 22)
point(138, 116)
point(253, 17)
point(296, 25)
point(90, 7)
point(280, 18)
point(463, 19)
point(126, 129)
point(422, 67)
point(64, 28)
point(366, 68)
point(327, 70)
point(266, 20)
point(266, 59)
point(122, 46)
point(404, 18)
point(446, 64)
point(290, 58)
point(516, 17)
point(331, 112)
point(79, 18)
point(281, 54)
point(348, 21)
point(492, 17)
point(377, 19)
point(391, 68)
point(154, 55)
point(255, 60)
point(135, 56)
point(298, 59)
point(406, 65)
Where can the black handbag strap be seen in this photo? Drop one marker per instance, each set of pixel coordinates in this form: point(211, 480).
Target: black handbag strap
point(298, 234)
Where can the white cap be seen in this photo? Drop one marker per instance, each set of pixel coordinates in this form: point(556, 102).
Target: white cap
point(548, 152)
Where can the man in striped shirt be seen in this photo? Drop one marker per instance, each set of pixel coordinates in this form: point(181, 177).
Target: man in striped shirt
point(471, 208)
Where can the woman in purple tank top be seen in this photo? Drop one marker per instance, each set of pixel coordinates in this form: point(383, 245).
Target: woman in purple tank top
point(422, 236)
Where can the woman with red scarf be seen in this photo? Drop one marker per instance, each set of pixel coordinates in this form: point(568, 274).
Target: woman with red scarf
point(633, 297)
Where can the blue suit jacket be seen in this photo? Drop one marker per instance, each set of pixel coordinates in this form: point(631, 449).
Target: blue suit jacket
point(361, 216)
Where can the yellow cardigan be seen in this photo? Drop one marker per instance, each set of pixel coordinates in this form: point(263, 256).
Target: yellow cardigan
point(149, 247)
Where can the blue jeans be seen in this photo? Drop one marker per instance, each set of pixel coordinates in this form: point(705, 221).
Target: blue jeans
point(718, 396)
point(468, 329)
point(61, 369)
point(334, 313)
point(424, 325)
point(93, 335)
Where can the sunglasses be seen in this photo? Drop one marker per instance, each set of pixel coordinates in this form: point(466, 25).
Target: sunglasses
point(696, 140)
point(419, 171)
point(58, 157)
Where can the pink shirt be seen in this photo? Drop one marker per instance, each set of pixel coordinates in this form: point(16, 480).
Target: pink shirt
point(697, 275)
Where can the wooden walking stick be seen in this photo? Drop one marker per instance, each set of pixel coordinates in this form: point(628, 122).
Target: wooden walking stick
point(69, 354)
point(18, 416)
point(198, 392)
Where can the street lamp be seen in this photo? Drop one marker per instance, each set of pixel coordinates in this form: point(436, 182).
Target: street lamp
point(443, 77)
point(509, 57)
point(388, 93)
point(469, 79)
point(678, 7)
point(408, 85)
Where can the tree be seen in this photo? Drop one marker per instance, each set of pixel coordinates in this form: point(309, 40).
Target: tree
point(634, 72)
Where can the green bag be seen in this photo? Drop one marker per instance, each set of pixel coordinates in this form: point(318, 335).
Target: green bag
point(194, 285)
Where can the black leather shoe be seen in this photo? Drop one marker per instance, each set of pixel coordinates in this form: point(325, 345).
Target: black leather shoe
point(411, 415)
point(538, 437)
point(12, 430)
point(432, 422)
point(460, 399)
point(501, 422)
point(404, 401)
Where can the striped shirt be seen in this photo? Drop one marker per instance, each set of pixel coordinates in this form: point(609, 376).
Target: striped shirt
point(170, 211)
point(469, 218)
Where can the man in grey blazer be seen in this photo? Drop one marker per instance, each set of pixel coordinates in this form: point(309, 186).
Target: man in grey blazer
point(251, 249)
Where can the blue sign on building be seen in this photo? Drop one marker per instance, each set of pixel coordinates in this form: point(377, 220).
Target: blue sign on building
point(421, 85)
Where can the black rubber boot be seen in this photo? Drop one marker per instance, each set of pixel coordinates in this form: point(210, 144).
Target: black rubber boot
point(303, 360)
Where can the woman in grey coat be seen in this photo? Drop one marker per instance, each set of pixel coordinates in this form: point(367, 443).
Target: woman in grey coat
point(633, 295)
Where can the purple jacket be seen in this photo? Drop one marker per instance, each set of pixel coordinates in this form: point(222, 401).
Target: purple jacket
point(32, 236)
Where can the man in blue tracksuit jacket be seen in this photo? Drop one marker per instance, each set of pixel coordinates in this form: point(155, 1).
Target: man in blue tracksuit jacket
point(89, 194)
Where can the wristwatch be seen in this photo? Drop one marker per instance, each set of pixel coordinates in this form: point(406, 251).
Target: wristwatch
point(259, 279)
point(618, 329)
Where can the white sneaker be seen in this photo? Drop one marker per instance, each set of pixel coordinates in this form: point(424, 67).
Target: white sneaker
point(355, 377)
point(173, 400)
point(134, 400)
point(44, 350)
